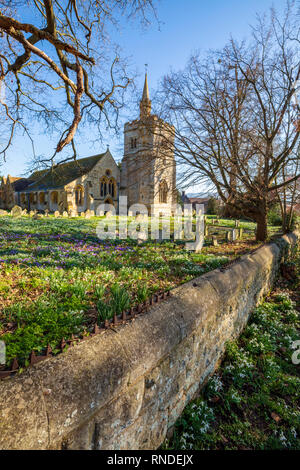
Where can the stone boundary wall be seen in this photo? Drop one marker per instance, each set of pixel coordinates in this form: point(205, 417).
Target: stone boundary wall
point(126, 388)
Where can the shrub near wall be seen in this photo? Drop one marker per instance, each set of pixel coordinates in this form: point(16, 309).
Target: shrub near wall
point(124, 389)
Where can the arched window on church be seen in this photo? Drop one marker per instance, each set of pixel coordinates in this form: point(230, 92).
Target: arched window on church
point(163, 191)
point(79, 194)
point(112, 187)
point(42, 198)
point(103, 186)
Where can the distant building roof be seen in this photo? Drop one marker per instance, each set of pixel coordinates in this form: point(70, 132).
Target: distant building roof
point(21, 183)
point(63, 174)
point(198, 200)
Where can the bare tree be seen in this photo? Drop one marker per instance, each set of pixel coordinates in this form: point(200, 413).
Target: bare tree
point(288, 196)
point(61, 68)
point(235, 122)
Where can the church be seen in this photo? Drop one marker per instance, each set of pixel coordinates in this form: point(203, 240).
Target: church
point(146, 175)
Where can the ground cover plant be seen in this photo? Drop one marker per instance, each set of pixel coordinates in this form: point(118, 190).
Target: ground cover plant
point(57, 278)
point(252, 401)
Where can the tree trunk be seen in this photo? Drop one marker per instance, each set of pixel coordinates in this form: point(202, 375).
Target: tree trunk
point(262, 223)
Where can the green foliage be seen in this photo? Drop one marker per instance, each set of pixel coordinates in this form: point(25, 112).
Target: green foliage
point(274, 216)
point(142, 294)
point(213, 206)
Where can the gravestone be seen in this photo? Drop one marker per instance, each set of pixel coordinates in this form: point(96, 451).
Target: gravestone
point(108, 214)
point(16, 211)
point(2, 212)
point(139, 217)
point(37, 216)
point(234, 235)
point(87, 215)
point(73, 213)
point(65, 214)
point(47, 213)
point(229, 235)
point(215, 241)
point(56, 214)
point(24, 212)
point(31, 213)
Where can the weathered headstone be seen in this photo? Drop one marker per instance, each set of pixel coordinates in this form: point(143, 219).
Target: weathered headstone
point(24, 212)
point(37, 216)
point(56, 214)
point(108, 214)
point(46, 213)
point(215, 241)
point(65, 214)
point(16, 211)
point(73, 213)
point(2, 212)
point(31, 213)
point(234, 235)
point(87, 215)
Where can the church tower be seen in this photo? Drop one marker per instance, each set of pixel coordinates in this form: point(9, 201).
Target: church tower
point(148, 174)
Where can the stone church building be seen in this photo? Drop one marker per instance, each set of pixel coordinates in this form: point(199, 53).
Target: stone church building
point(147, 174)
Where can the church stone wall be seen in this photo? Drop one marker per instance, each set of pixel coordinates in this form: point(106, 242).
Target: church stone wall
point(125, 389)
point(91, 185)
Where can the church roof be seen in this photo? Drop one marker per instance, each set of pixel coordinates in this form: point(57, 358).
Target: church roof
point(63, 174)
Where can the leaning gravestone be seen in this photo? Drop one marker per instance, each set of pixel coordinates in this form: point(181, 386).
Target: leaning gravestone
point(16, 211)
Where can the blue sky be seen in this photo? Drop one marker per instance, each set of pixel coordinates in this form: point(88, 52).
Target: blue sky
point(185, 26)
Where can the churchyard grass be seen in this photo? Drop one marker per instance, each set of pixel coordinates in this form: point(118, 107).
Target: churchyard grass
point(252, 401)
point(57, 278)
